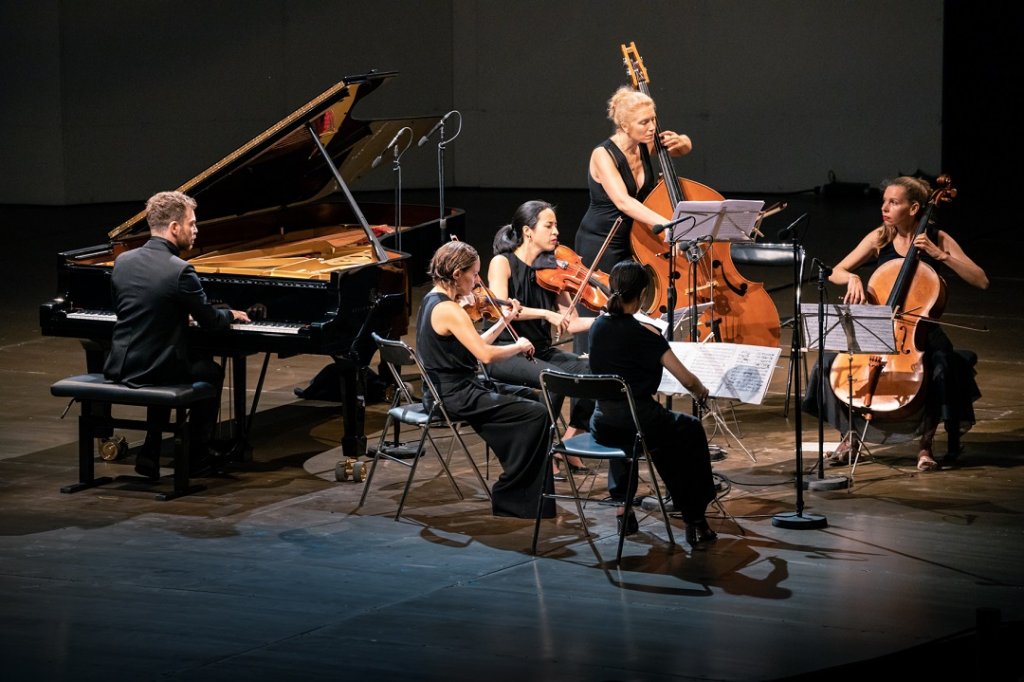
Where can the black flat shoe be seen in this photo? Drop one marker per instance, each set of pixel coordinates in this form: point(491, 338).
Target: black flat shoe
point(629, 519)
point(578, 471)
point(699, 535)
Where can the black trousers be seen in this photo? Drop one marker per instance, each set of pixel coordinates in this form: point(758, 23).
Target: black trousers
point(202, 417)
point(521, 371)
point(516, 427)
point(678, 447)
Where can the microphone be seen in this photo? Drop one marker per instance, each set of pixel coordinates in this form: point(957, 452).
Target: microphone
point(423, 140)
point(394, 140)
point(658, 229)
point(825, 269)
point(786, 232)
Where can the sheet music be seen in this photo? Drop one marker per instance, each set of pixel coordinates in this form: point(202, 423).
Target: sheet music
point(729, 370)
point(680, 316)
point(726, 221)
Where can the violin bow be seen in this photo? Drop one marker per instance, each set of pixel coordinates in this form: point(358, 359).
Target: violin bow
point(590, 271)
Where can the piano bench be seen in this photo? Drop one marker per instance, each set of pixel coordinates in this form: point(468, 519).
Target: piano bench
point(97, 396)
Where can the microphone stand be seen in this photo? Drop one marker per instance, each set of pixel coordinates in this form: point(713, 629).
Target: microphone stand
point(442, 221)
point(396, 166)
point(823, 482)
point(672, 277)
point(798, 519)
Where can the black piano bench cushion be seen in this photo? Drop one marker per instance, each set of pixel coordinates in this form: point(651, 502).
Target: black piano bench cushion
point(96, 387)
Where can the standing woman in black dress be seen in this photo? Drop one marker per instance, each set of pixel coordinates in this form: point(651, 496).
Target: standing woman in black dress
point(521, 247)
point(620, 176)
point(511, 422)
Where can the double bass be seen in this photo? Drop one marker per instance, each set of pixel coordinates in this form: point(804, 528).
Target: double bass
point(893, 386)
point(742, 311)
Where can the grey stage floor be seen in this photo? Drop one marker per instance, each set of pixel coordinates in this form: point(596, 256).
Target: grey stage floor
point(275, 573)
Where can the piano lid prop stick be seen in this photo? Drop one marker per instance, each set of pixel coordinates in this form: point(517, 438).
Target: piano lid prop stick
point(378, 250)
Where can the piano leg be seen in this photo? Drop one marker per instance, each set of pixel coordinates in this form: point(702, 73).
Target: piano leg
point(241, 449)
point(353, 409)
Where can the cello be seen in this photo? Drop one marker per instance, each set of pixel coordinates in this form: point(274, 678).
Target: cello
point(893, 386)
point(742, 311)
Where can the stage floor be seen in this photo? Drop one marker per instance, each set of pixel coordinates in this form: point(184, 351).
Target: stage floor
point(274, 572)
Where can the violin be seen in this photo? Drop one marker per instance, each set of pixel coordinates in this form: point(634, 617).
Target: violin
point(894, 386)
point(480, 306)
point(742, 311)
point(566, 272)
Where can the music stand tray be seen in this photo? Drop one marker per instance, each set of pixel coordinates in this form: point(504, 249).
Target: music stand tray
point(848, 329)
point(731, 220)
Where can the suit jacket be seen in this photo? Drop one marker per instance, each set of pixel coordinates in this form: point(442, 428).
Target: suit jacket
point(155, 291)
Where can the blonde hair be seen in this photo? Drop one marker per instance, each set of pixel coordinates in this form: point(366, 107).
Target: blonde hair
point(918, 191)
point(624, 102)
point(164, 208)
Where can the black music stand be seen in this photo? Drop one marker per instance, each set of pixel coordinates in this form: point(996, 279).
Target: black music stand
point(693, 224)
point(704, 222)
point(847, 329)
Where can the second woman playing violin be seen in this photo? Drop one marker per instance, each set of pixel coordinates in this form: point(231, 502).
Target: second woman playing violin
point(519, 248)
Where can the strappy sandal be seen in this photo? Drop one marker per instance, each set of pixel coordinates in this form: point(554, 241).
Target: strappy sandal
point(925, 462)
point(840, 456)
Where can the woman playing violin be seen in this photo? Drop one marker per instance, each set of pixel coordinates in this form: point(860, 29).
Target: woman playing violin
point(951, 388)
point(519, 248)
point(620, 176)
point(509, 418)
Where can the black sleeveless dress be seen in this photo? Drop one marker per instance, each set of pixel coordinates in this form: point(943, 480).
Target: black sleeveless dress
point(515, 428)
point(601, 215)
point(522, 286)
point(949, 398)
point(602, 212)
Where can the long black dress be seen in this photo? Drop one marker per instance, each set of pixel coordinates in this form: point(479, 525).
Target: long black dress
point(602, 214)
point(523, 287)
point(949, 398)
point(676, 441)
point(516, 428)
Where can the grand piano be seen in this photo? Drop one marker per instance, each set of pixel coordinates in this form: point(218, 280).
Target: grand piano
point(282, 237)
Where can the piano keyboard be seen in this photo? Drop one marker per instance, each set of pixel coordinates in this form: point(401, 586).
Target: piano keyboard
point(263, 327)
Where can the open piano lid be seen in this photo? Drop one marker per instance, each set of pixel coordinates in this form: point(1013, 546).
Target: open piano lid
point(283, 166)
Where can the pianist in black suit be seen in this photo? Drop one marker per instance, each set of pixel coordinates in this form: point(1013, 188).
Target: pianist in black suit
point(155, 293)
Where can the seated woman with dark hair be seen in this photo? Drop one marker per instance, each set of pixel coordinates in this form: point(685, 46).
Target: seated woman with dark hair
point(620, 344)
point(521, 247)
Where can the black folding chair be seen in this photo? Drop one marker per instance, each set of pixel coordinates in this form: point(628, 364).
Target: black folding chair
point(406, 409)
point(594, 387)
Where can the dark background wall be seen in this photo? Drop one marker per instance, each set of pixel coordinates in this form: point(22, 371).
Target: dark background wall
point(110, 101)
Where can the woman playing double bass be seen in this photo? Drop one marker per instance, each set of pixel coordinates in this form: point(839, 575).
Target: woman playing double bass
point(951, 386)
point(620, 176)
point(519, 248)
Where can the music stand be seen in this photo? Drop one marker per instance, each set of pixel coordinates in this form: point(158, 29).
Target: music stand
point(704, 222)
point(847, 329)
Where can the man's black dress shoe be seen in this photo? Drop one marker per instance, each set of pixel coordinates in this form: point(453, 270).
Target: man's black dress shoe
point(147, 466)
point(699, 534)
